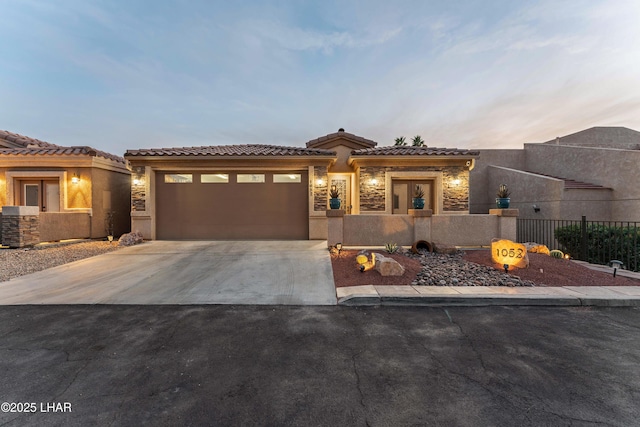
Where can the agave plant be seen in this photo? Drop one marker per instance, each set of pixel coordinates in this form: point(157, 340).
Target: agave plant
point(503, 191)
point(419, 192)
point(334, 193)
point(390, 247)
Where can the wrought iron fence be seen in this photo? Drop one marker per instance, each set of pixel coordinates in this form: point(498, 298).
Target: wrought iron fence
point(597, 242)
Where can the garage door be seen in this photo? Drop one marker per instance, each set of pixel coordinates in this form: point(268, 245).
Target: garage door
point(232, 205)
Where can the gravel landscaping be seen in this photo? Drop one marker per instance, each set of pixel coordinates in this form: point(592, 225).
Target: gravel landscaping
point(472, 268)
point(453, 270)
point(18, 262)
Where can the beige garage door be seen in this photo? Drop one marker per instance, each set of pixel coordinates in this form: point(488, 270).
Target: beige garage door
point(233, 206)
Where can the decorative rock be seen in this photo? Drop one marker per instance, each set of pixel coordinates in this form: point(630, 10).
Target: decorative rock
point(536, 248)
point(387, 266)
point(437, 270)
point(130, 239)
point(443, 248)
point(505, 251)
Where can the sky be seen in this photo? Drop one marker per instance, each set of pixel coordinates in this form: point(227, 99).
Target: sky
point(118, 75)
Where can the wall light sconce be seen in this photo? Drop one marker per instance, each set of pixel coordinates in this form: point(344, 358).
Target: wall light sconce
point(136, 181)
point(373, 181)
point(75, 179)
point(536, 208)
point(319, 182)
point(455, 182)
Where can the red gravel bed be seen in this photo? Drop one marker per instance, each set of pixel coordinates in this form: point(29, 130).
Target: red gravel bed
point(543, 271)
point(346, 272)
point(548, 271)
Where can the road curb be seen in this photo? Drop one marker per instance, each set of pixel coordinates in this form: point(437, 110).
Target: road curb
point(470, 296)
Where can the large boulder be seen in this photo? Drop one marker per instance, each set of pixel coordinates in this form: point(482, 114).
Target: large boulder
point(388, 266)
point(130, 239)
point(536, 248)
point(504, 251)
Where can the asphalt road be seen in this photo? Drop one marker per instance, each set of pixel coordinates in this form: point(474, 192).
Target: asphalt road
point(338, 366)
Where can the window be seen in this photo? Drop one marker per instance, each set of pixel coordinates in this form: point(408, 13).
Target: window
point(178, 178)
point(250, 177)
point(286, 177)
point(214, 178)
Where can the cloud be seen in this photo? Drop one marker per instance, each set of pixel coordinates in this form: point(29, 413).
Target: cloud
point(300, 39)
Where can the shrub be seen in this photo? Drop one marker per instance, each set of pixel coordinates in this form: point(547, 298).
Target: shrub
point(604, 243)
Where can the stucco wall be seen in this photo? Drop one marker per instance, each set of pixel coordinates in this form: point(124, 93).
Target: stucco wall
point(616, 169)
point(459, 230)
point(64, 225)
point(112, 188)
point(376, 230)
point(480, 191)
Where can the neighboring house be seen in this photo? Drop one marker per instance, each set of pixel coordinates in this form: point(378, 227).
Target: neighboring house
point(74, 188)
point(276, 192)
point(593, 173)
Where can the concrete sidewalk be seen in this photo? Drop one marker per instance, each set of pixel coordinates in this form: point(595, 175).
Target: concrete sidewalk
point(607, 296)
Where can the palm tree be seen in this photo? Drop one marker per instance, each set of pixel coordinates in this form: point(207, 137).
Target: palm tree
point(417, 141)
point(401, 141)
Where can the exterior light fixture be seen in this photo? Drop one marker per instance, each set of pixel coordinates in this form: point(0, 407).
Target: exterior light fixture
point(136, 181)
point(455, 182)
point(373, 181)
point(339, 247)
point(75, 179)
point(319, 182)
point(567, 256)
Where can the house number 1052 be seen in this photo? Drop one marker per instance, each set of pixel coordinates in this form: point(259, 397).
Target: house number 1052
point(511, 253)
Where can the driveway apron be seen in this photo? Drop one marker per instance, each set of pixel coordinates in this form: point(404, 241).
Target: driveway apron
point(186, 272)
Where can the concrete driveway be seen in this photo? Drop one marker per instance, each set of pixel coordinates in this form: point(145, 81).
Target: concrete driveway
point(186, 272)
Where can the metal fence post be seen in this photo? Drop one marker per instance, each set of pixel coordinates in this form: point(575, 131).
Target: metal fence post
point(583, 240)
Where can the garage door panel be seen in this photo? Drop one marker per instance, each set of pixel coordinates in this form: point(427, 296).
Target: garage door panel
point(232, 210)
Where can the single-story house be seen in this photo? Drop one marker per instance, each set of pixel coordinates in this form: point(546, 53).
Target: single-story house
point(281, 192)
point(592, 172)
point(75, 190)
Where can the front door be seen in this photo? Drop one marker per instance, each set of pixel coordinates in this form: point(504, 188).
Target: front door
point(343, 185)
point(42, 193)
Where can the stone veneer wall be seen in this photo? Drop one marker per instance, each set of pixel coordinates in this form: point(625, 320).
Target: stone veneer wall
point(455, 197)
point(19, 231)
point(320, 192)
point(138, 194)
point(372, 196)
point(0, 227)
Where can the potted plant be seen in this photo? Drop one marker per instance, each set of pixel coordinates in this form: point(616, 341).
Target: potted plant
point(418, 198)
point(502, 197)
point(334, 201)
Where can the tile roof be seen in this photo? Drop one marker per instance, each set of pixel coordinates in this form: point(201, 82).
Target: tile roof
point(24, 145)
point(57, 150)
point(18, 140)
point(570, 184)
point(231, 150)
point(402, 150)
point(341, 134)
